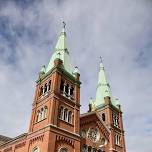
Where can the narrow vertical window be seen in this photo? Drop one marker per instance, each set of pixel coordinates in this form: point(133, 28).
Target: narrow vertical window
point(71, 91)
point(45, 88)
point(49, 86)
point(70, 117)
point(65, 114)
point(42, 113)
point(103, 117)
point(41, 90)
point(45, 112)
point(115, 120)
point(117, 139)
point(38, 116)
point(116, 142)
point(89, 149)
point(61, 112)
point(62, 86)
point(67, 89)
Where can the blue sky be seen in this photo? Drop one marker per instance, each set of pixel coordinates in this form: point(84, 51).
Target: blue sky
point(119, 31)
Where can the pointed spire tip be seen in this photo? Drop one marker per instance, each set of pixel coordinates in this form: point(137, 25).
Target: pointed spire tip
point(101, 59)
point(64, 24)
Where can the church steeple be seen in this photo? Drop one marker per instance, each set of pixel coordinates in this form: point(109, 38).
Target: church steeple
point(61, 43)
point(61, 52)
point(103, 88)
point(57, 98)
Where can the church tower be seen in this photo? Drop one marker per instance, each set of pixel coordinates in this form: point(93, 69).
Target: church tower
point(109, 111)
point(56, 106)
point(56, 124)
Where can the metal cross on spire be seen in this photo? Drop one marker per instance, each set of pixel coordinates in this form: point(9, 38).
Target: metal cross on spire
point(100, 59)
point(64, 24)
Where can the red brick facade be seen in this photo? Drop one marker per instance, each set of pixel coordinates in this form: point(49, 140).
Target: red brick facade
point(56, 124)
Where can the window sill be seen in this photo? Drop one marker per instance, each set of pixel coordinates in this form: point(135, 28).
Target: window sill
point(118, 145)
point(70, 97)
point(40, 121)
point(44, 96)
point(66, 122)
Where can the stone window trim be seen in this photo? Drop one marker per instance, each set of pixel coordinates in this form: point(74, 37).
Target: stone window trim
point(83, 132)
point(63, 149)
point(115, 120)
point(45, 88)
point(93, 134)
point(65, 114)
point(117, 139)
point(42, 114)
point(67, 89)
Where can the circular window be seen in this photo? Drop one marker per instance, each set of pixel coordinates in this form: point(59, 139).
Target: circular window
point(94, 134)
point(63, 150)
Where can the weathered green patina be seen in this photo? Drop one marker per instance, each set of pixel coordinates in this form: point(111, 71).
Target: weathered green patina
point(103, 90)
point(61, 52)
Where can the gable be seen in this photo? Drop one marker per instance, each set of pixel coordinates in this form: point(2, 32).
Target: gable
point(91, 124)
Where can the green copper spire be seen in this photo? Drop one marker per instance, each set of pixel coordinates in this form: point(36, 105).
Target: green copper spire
point(61, 52)
point(103, 88)
point(61, 43)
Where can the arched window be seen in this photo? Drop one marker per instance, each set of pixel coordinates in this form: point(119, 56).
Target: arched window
point(71, 91)
point(42, 113)
point(103, 117)
point(61, 112)
point(89, 149)
point(84, 148)
point(41, 91)
point(45, 112)
point(115, 120)
point(70, 117)
point(45, 88)
point(49, 85)
point(63, 150)
point(38, 116)
point(36, 149)
point(65, 114)
point(67, 89)
point(117, 139)
point(62, 86)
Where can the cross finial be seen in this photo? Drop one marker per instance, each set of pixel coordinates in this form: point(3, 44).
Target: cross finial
point(100, 59)
point(64, 24)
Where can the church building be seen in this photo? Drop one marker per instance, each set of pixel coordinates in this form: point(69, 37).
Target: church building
point(56, 123)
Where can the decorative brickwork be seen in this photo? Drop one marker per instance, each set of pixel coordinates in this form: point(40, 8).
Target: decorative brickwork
point(56, 124)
